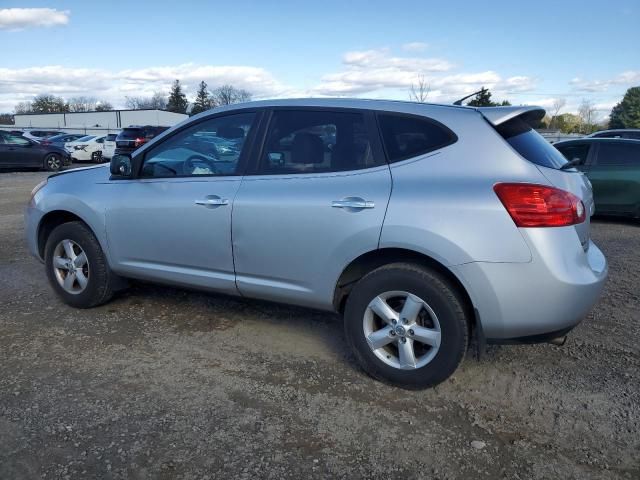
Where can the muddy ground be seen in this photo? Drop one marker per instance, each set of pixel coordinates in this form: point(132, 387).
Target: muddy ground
point(164, 383)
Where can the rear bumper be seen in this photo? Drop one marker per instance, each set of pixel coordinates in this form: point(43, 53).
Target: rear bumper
point(522, 302)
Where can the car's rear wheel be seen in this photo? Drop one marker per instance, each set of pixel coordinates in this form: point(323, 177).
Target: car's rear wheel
point(76, 266)
point(407, 325)
point(96, 157)
point(53, 162)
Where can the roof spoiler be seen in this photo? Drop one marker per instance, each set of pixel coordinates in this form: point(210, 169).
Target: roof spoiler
point(499, 115)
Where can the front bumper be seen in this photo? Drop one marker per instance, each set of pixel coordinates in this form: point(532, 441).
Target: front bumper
point(32, 217)
point(550, 294)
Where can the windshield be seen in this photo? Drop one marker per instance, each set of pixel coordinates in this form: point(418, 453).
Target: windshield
point(530, 144)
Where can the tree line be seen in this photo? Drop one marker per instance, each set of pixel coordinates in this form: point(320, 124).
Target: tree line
point(176, 101)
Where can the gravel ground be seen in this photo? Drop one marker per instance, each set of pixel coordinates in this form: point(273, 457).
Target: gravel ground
point(163, 383)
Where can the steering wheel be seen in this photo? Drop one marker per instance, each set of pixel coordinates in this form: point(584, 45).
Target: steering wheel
point(190, 164)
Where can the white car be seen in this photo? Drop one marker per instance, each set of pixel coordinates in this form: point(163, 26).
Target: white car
point(86, 149)
point(109, 146)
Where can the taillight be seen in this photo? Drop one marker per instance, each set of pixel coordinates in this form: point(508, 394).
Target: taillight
point(533, 205)
point(139, 141)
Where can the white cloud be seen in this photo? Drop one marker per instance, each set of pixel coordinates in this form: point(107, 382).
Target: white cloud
point(415, 47)
point(370, 71)
point(624, 79)
point(20, 18)
point(22, 84)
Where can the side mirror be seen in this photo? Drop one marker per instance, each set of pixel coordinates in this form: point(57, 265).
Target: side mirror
point(121, 166)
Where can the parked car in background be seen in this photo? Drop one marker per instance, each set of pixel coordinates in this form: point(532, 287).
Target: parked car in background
point(109, 146)
point(86, 149)
point(19, 152)
point(131, 138)
point(62, 139)
point(633, 133)
point(613, 168)
point(484, 234)
point(40, 134)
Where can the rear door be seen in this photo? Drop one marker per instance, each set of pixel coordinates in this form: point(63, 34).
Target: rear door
point(315, 201)
point(615, 175)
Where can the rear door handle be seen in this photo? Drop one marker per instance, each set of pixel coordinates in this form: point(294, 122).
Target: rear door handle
point(212, 201)
point(353, 203)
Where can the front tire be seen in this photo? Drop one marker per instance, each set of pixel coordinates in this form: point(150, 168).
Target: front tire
point(76, 266)
point(407, 325)
point(53, 162)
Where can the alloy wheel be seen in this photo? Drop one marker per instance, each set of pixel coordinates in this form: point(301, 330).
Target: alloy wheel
point(71, 266)
point(402, 330)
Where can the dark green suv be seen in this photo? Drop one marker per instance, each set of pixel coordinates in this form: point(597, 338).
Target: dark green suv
point(613, 167)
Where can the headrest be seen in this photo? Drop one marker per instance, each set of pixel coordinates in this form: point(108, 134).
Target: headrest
point(307, 148)
point(230, 132)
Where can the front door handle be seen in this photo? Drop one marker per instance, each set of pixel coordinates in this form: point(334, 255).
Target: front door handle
point(212, 201)
point(353, 203)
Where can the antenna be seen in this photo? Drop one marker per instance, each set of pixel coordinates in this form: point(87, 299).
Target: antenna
point(459, 102)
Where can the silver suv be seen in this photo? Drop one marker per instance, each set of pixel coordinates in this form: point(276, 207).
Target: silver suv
point(425, 226)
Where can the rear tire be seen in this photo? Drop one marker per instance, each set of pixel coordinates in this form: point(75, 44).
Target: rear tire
point(53, 162)
point(76, 266)
point(422, 334)
point(96, 157)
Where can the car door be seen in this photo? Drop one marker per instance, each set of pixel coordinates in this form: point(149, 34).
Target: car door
point(173, 223)
point(314, 201)
point(615, 176)
point(18, 151)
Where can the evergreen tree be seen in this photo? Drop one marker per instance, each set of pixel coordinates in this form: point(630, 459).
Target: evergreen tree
point(203, 100)
point(626, 114)
point(177, 99)
point(483, 99)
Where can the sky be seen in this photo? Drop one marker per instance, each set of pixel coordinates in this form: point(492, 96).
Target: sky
point(524, 52)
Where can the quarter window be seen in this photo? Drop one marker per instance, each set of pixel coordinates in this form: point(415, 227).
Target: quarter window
point(407, 136)
point(618, 154)
point(212, 147)
point(316, 142)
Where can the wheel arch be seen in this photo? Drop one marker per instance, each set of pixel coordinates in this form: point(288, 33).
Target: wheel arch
point(371, 260)
point(53, 219)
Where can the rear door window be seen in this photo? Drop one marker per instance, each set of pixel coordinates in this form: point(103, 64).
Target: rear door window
point(530, 144)
point(618, 154)
point(406, 136)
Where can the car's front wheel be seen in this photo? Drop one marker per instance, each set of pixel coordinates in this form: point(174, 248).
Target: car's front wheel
point(53, 162)
point(407, 325)
point(76, 266)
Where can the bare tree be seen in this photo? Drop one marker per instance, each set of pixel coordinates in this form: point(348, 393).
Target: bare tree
point(228, 94)
point(587, 112)
point(419, 91)
point(23, 107)
point(103, 106)
point(557, 105)
point(82, 104)
point(156, 101)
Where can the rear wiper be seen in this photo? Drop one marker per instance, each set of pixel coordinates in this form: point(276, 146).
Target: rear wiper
point(571, 164)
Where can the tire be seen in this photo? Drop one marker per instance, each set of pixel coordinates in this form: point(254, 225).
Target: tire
point(53, 162)
point(96, 157)
point(100, 281)
point(441, 320)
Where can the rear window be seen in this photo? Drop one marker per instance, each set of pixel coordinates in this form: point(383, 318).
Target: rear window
point(530, 144)
point(111, 137)
point(130, 133)
point(409, 136)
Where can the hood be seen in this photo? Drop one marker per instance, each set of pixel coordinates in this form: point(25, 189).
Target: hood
point(96, 173)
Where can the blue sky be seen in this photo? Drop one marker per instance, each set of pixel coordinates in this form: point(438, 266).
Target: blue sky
point(529, 52)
